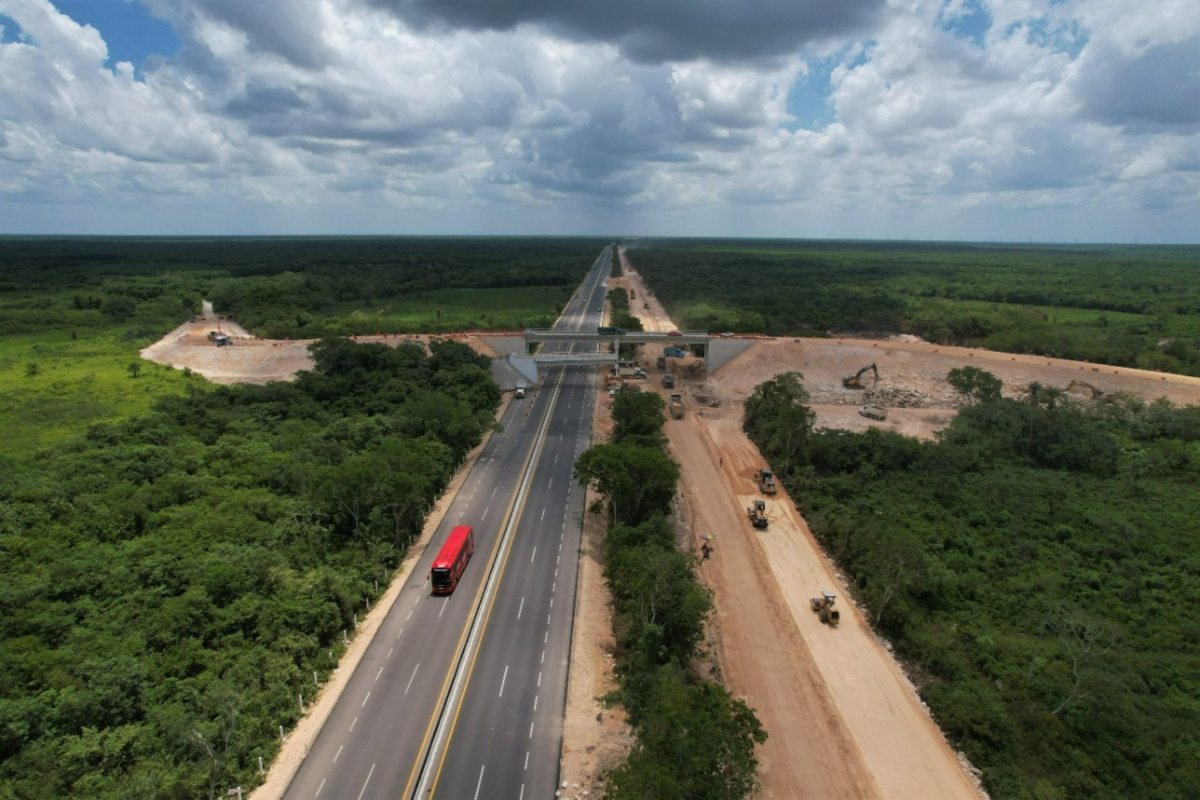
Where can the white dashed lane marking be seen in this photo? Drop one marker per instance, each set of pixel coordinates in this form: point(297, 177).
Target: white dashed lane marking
point(411, 677)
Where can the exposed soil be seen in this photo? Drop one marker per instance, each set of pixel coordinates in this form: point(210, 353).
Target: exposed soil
point(250, 359)
point(914, 374)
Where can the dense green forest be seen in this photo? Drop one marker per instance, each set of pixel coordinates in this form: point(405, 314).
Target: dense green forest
point(172, 582)
point(178, 559)
point(1037, 568)
point(694, 741)
point(1122, 305)
point(75, 312)
point(292, 287)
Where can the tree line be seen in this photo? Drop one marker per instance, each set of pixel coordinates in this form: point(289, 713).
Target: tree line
point(1121, 305)
point(694, 741)
point(173, 585)
point(1035, 568)
point(306, 287)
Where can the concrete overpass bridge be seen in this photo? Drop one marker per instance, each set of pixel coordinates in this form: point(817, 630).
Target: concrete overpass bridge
point(677, 338)
point(518, 364)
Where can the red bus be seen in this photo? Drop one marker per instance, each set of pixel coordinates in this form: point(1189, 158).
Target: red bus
point(452, 560)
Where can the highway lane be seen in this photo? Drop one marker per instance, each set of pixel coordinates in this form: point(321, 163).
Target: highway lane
point(377, 732)
point(507, 736)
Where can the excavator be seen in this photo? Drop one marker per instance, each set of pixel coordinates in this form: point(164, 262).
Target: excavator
point(855, 381)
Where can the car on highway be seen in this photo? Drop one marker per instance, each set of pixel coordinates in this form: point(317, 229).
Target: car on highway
point(674, 333)
point(727, 335)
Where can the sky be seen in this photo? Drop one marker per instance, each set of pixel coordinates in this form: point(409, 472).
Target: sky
point(1015, 120)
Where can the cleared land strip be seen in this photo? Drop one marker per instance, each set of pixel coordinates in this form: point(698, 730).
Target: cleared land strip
point(843, 720)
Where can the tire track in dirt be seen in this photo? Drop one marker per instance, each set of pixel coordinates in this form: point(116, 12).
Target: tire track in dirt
point(808, 753)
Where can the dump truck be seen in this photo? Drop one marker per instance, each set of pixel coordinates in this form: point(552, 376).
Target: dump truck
point(668, 381)
point(873, 412)
point(766, 482)
point(675, 405)
point(855, 381)
point(823, 606)
point(757, 512)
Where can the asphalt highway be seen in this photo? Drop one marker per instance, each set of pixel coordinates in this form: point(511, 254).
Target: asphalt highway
point(503, 739)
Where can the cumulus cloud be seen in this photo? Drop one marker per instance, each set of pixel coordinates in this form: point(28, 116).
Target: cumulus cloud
point(551, 116)
point(1159, 86)
point(660, 30)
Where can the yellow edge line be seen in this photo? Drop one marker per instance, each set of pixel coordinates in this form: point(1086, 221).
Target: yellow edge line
point(412, 775)
point(408, 786)
point(482, 634)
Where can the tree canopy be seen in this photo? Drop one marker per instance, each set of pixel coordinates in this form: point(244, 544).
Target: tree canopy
point(693, 739)
point(170, 583)
point(1035, 568)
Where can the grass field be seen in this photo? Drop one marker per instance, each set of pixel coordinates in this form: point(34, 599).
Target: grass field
point(443, 310)
point(77, 382)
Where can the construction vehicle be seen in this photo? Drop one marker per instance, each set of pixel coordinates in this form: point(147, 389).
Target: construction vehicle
point(757, 512)
point(823, 605)
point(1091, 391)
point(675, 405)
point(668, 381)
point(766, 482)
point(220, 339)
point(631, 371)
point(855, 381)
point(873, 412)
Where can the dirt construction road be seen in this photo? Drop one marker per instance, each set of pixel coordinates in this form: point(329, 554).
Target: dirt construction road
point(842, 719)
point(809, 751)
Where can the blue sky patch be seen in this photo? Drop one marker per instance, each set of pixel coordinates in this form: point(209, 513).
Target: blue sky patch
point(808, 99)
point(972, 24)
point(131, 32)
point(1070, 38)
point(9, 30)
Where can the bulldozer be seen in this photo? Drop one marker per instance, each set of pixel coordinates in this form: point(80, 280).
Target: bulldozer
point(757, 512)
point(855, 381)
point(823, 606)
point(766, 482)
